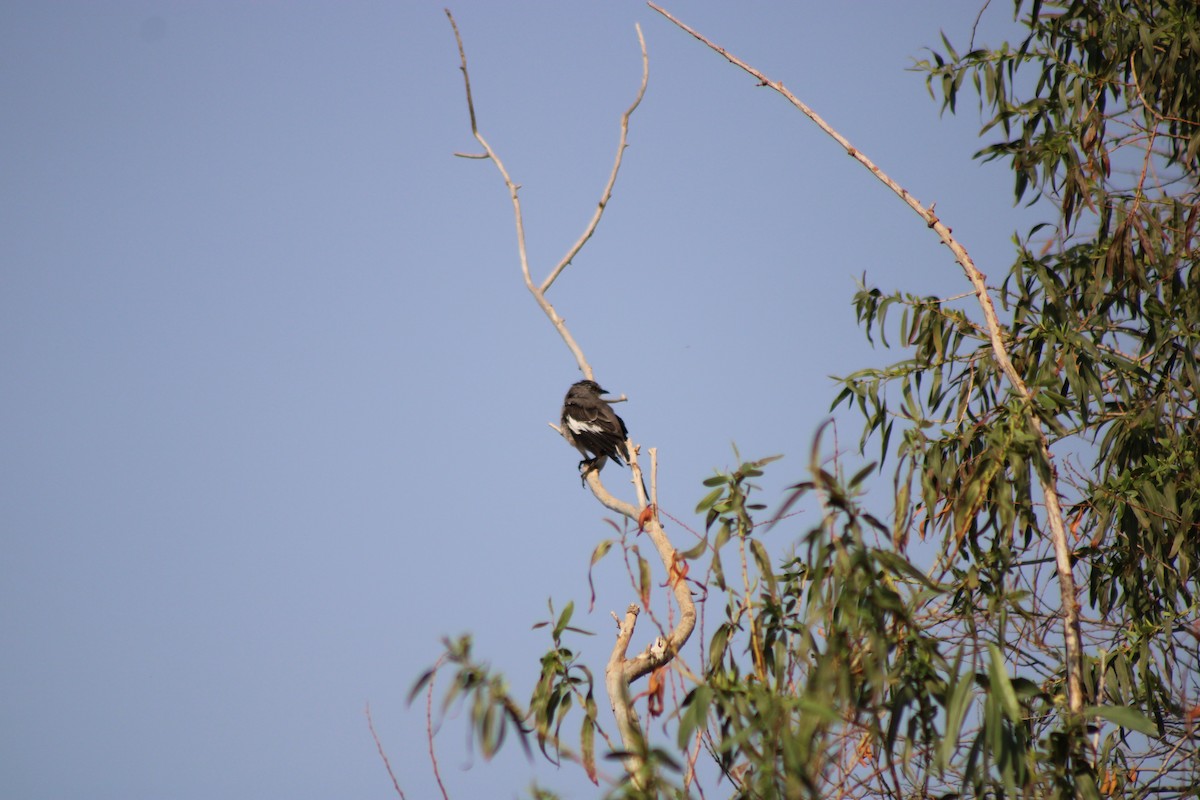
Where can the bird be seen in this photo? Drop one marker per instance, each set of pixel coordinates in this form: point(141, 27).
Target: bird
point(592, 427)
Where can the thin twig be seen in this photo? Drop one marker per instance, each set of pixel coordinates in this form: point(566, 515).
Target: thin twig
point(1049, 480)
point(519, 219)
point(437, 774)
point(379, 746)
point(978, 17)
point(538, 292)
point(612, 177)
point(654, 479)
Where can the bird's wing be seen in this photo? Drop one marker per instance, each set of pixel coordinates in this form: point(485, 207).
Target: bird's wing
point(595, 418)
point(588, 423)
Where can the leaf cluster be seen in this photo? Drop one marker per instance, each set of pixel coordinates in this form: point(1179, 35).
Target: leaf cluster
point(850, 669)
point(922, 657)
point(1098, 110)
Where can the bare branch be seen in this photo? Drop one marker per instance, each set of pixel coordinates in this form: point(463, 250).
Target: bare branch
point(612, 178)
point(519, 219)
point(617, 687)
point(1049, 479)
point(644, 664)
point(621, 670)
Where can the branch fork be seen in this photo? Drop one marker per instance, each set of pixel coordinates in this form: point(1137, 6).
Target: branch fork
point(621, 671)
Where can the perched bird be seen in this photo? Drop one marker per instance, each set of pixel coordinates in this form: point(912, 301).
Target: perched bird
point(592, 427)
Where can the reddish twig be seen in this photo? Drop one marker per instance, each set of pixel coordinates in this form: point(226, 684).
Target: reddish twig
point(379, 746)
point(437, 774)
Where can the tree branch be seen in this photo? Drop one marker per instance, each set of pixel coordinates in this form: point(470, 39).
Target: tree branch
point(539, 292)
point(1049, 479)
point(612, 178)
point(645, 663)
point(621, 670)
point(617, 687)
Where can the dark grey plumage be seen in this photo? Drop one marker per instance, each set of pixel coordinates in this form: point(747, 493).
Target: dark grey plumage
point(592, 427)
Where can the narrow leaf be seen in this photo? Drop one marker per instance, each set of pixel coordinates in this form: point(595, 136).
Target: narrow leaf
point(1002, 687)
point(1125, 716)
point(587, 739)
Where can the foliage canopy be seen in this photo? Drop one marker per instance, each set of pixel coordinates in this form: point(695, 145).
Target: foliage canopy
point(861, 664)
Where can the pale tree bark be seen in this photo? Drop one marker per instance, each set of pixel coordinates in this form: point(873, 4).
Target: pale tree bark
point(621, 669)
point(1048, 478)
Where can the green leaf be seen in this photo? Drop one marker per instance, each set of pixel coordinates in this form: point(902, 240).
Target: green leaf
point(587, 738)
point(597, 554)
point(710, 498)
point(421, 683)
point(695, 714)
point(564, 619)
point(1001, 686)
point(900, 566)
point(697, 551)
point(821, 710)
point(1125, 716)
point(959, 691)
point(861, 475)
point(718, 571)
point(716, 647)
point(601, 551)
point(724, 533)
point(764, 563)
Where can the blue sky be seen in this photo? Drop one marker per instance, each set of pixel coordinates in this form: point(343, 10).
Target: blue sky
point(275, 405)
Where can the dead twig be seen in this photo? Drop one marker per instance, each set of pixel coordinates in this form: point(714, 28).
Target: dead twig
point(539, 291)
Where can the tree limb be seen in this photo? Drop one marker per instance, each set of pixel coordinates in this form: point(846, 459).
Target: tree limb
point(612, 177)
point(621, 670)
point(617, 687)
point(1049, 479)
point(539, 292)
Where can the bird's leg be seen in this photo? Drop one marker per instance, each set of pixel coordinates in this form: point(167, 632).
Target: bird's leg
point(586, 466)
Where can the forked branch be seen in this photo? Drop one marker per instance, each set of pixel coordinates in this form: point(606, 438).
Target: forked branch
point(621, 669)
point(539, 291)
point(606, 195)
point(1049, 478)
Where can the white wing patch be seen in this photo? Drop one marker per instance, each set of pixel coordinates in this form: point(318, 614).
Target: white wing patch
point(580, 426)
